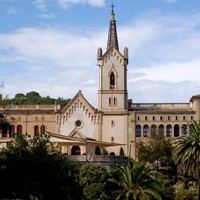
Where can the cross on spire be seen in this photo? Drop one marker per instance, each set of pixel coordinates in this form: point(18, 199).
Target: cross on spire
point(112, 7)
point(112, 34)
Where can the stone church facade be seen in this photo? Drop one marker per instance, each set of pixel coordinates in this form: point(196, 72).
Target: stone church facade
point(117, 121)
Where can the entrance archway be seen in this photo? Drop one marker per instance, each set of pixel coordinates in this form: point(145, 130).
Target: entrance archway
point(75, 150)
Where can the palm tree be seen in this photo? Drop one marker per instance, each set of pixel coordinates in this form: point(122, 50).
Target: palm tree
point(187, 151)
point(135, 182)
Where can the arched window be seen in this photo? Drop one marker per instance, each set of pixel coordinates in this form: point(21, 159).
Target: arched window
point(138, 131)
point(153, 128)
point(115, 101)
point(36, 130)
point(184, 129)
point(169, 130)
point(161, 129)
point(75, 150)
point(42, 129)
point(146, 130)
point(176, 130)
point(19, 129)
point(110, 101)
point(112, 81)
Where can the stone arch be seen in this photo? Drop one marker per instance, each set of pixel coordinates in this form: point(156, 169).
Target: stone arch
point(161, 129)
point(169, 130)
point(76, 150)
point(153, 128)
point(184, 129)
point(36, 130)
point(176, 130)
point(138, 131)
point(145, 130)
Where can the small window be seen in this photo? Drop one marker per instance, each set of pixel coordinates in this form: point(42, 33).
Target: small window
point(110, 101)
point(184, 118)
point(138, 117)
point(169, 118)
point(78, 123)
point(112, 123)
point(161, 118)
point(192, 117)
point(115, 101)
point(146, 118)
point(176, 117)
point(112, 139)
point(153, 118)
point(112, 81)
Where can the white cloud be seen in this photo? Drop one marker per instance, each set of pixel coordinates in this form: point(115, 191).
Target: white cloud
point(66, 3)
point(171, 1)
point(163, 59)
point(47, 16)
point(11, 11)
point(40, 4)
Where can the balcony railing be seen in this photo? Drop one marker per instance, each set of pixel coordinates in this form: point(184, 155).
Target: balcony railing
point(30, 107)
point(97, 159)
point(160, 106)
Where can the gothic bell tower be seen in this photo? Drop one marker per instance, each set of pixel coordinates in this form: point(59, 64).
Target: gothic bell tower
point(112, 82)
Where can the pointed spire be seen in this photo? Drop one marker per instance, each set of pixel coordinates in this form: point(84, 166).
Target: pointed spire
point(112, 34)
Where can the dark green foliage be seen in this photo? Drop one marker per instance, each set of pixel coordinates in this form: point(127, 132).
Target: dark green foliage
point(185, 194)
point(34, 167)
point(121, 152)
point(97, 150)
point(33, 98)
point(158, 150)
point(187, 152)
point(134, 182)
point(94, 179)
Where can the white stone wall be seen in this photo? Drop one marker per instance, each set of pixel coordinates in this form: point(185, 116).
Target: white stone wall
point(88, 124)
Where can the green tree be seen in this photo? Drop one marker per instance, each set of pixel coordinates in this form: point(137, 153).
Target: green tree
point(157, 150)
point(136, 182)
point(94, 179)
point(34, 168)
point(121, 152)
point(187, 151)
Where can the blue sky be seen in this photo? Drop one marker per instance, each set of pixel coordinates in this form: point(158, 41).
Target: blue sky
point(50, 46)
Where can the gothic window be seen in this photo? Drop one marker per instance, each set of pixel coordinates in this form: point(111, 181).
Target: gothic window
point(36, 130)
point(112, 81)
